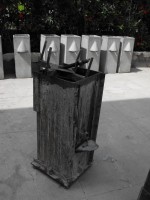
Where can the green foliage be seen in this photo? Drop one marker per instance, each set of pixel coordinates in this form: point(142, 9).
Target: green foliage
point(101, 17)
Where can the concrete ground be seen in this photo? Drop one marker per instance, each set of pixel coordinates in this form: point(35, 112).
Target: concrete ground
point(120, 164)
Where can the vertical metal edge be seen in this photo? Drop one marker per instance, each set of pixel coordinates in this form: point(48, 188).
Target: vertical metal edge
point(97, 108)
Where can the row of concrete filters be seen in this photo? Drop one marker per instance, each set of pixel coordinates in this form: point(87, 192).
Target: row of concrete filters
point(111, 54)
point(116, 54)
point(70, 46)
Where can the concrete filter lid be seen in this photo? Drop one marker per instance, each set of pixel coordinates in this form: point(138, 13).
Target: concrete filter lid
point(73, 47)
point(94, 47)
point(113, 47)
point(53, 46)
point(22, 47)
point(128, 47)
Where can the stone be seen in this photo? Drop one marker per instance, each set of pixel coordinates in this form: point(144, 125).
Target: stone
point(141, 59)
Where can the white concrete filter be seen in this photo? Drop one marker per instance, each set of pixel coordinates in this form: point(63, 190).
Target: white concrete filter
point(109, 54)
point(90, 47)
point(69, 48)
point(126, 53)
point(22, 55)
point(52, 41)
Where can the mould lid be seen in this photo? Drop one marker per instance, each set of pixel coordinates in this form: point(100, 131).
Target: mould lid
point(73, 47)
point(113, 47)
point(94, 47)
point(128, 47)
point(53, 46)
point(21, 48)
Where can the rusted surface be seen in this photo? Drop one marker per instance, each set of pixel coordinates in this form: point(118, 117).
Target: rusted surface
point(67, 116)
point(36, 93)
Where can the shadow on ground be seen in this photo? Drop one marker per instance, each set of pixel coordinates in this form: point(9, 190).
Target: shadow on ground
point(134, 69)
point(9, 65)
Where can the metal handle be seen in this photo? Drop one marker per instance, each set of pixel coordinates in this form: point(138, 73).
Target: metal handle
point(67, 66)
point(89, 67)
point(76, 63)
point(49, 55)
point(43, 50)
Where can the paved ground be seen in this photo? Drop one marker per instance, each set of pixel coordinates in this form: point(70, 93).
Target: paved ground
point(120, 164)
